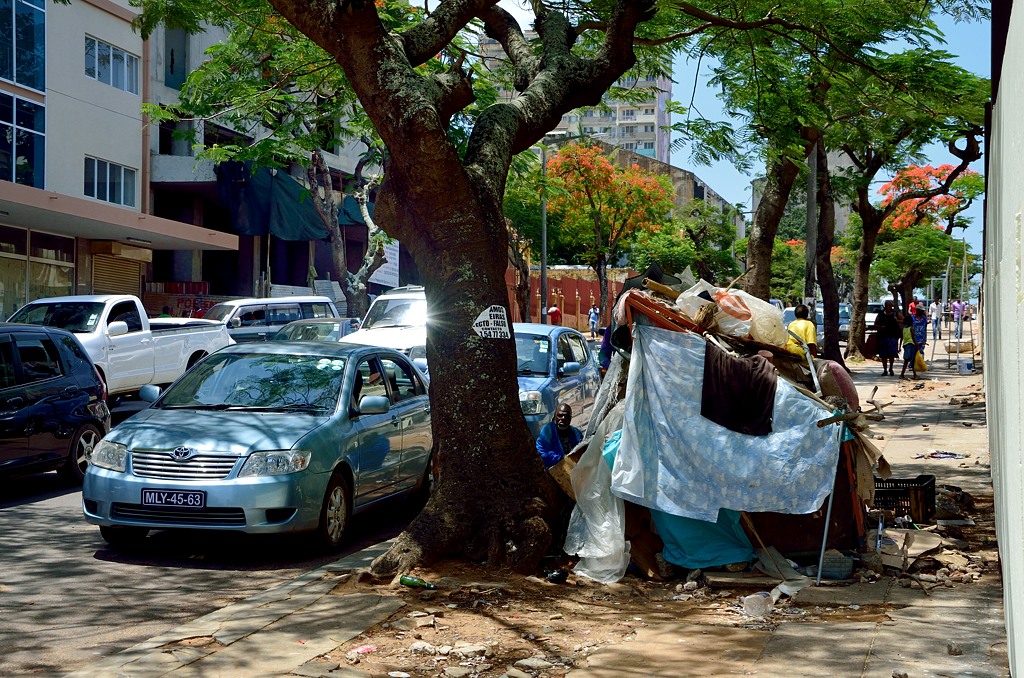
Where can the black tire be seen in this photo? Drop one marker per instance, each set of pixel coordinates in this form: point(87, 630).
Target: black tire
point(82, 444)
point(426, 485)
point(335, 513)
point(196, 357)
point(120, 536)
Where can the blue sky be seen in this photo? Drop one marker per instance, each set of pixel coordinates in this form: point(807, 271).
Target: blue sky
point(971, 43)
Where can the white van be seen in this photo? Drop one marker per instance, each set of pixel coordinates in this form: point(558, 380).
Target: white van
point(260, 319)
point(396, 319)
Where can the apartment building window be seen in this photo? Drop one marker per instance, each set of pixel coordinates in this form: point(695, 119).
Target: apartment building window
point(649, 129)
point(648, 111)
point(648, 145)
point(628, 113)
point(111, 65)
point(628, 131)
point(23, 42)
point(22, 141)
point(629, 146)
point(109, 182)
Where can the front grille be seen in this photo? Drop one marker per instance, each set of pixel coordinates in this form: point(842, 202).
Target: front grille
point(207, 517)
point(160, 464)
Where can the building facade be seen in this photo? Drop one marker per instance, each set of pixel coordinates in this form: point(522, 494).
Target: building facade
point(75, 215)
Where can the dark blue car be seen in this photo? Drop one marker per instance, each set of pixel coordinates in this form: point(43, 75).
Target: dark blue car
point(53, 407)
point(555, 366)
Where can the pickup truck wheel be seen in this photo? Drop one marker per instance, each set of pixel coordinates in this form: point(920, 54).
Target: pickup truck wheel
point(121, 536)
point(195, 358)
point(335, 513)
point(82, 444)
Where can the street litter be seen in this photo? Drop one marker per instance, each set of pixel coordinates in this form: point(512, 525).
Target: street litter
point(941, 454)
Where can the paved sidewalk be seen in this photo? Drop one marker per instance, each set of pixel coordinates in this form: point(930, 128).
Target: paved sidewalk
point(277, 632)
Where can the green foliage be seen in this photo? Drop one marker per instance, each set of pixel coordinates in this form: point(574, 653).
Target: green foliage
point(912, 255)
point(788, 265)
point(669, 248)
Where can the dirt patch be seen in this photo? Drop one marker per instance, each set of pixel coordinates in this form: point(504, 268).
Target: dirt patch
point(480, 622)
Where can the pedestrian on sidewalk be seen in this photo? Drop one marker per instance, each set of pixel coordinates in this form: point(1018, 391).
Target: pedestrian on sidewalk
point(958, 316)
point(935, 314)
point(909, 348)
point(887, 330)
point(554, 314)
point(595, 317)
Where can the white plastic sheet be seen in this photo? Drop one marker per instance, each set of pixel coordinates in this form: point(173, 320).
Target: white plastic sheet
point(597, 527)
point(674, 460)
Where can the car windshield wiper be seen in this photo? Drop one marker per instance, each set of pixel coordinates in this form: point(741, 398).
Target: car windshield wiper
point(527, 371)
point(292, 407)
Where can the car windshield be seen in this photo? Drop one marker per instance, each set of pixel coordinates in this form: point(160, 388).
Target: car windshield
point(533, 354)
point(396, 313)
point(219, 312)
point(788, 316)
point(73, 316)
point(875, 308)
point(310, 332)
point(269, 381)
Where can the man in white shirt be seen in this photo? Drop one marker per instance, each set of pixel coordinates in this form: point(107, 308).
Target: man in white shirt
point(935, 315)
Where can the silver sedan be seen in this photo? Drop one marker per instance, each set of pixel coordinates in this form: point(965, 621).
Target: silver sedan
point(266, 438)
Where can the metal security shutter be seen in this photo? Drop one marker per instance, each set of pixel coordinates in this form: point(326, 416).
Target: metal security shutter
point(114, 275)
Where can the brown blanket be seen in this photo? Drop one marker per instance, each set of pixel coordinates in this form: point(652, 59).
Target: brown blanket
point(739, 393)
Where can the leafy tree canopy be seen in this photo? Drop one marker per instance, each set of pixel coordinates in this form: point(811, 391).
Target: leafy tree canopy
point(938, 210)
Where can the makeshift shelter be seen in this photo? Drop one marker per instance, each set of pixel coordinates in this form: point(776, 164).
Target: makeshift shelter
point(705, 420)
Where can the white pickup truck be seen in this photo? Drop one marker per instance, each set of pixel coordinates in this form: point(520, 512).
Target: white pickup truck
point(129, 349)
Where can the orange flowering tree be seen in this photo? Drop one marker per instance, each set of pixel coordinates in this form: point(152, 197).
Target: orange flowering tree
point(936, 210)
point(603, 207)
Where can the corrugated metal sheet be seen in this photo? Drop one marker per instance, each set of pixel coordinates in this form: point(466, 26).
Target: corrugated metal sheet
point(113, 275)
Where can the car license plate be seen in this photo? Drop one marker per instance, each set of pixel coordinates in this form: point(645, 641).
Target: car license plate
point(179, 498)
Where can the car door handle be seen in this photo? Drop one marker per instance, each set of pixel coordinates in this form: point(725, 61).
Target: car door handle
point(72, 390)
point(395, 421)
point(427, 409)
point(14, 403)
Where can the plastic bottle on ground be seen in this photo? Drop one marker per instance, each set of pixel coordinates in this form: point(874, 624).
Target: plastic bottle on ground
point(758, 605)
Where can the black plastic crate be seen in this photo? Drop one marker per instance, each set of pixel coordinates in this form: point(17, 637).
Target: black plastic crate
point(907, 496)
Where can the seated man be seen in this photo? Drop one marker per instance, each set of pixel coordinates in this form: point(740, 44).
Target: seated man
point(558, 437)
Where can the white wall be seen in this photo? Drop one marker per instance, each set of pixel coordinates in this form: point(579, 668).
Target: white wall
point(1004, 296)
point(85, 116)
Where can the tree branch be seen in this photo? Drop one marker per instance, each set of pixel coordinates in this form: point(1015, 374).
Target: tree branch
point(423, 41)
point(502, 26)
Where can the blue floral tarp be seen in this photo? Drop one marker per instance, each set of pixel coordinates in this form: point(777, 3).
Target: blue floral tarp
point(674, 460)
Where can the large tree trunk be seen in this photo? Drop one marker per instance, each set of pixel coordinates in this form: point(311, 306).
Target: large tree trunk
point(872, 222)
point(778, 183)
point(492, 498)
point(823, 259)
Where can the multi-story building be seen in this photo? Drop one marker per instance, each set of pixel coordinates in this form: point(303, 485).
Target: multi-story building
point(639, 127)
point(75, 211)
point(92, 198)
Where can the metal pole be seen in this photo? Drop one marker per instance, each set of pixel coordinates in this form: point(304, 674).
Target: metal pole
point(543, 234)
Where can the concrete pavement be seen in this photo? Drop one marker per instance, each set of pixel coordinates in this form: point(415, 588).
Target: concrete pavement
point(949, 632)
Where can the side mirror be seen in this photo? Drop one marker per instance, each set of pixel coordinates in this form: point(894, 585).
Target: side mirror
point(374, 405)
point(117, 328)
point(421, 363)
point(235, 323)
point(570, 369)
point(149, 392)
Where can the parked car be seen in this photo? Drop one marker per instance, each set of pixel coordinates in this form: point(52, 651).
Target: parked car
point(555, 367)
point(53, 405)
point(789, 316)
point(396, 319)
point(873, 309)
point(844, 321)
point(266, 438)
point(129, 349)
point(259, 319)
point(317, 329)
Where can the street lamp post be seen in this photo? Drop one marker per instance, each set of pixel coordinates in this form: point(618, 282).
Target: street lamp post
point(543, 233)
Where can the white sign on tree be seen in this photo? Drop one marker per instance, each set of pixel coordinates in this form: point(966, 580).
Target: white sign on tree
point(492, 323)
point(387, 274)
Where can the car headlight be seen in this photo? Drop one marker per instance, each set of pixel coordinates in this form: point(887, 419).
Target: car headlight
point(275, 463)
point(532, 402)
point(109, 455)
